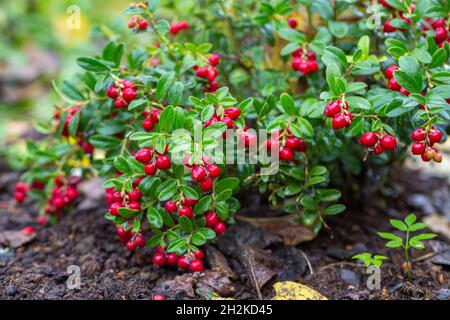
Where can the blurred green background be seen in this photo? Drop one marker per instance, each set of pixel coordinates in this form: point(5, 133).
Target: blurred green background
point(38, 46)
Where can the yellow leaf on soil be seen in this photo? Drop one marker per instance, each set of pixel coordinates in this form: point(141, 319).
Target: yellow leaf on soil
point(295, 291)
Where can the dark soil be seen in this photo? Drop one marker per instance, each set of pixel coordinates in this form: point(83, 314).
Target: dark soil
point(38, 269)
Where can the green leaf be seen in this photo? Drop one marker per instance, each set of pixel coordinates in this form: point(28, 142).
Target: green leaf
point(407, 81)
point(316, 180)
point(423, 236)
point(186, 224)
point(92, 64)
point(167, 190)
point(73, 124)
point(318, 171)
point(155, 240)
point(198, 239)
point(167, 118)
point(389, 236)
point(226, 184)
point(164, 84)
point(189, 192)
point(288, 104)
point(154, 218)
point(398, 224)
point(128, 213)
point(334, 209)
point(203, 205)
point(292, 35)
point(104, 142)
point(394, 244)
point(439, 58)
point(410, 219)
point(329, 195)
point(337, 28)
point(121, 164)
point(135, 104)
point(176, 93)
point(207, 233)
point(417, 226)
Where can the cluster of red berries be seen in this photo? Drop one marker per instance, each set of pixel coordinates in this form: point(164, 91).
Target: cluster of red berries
point(377, 143)
point(338, 110)
point(123, 93)
point(21, 192)
point(63, 194)
point(151, 118)
point(287, 144)
point(176, 27)
point(304, 61)
point(393, 84)
point(228, 117)
point(209, 72)
point(132, 241)
point(424, 144)
point(214, 222)
point(388, 27)
point(440, 28)
point(203, 173)
point(183, 208)
point(116, 200)
point(138, 23)
point(191, 261)
point(153, 160)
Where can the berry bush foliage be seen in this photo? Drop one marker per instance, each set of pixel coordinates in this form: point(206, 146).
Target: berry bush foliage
point(338, 85)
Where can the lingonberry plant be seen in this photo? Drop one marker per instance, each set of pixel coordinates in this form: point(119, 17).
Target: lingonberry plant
point(407, 226)
point(317, 76)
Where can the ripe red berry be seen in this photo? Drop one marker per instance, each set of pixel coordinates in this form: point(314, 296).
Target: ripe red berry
point(172, 259)
point(139, 241)
point(302, 146)
point(404, 91)
point(272, 144)
point(135, 206)
point(202, 72)
point(171, 207)
point(296, 63)
point(186, 212)
point(292, 143)
point(148, 124)
point(385, 4)
point(393, 85)
point(183, 263)
point(297, 53)
point(292, 23)
point(339, 122)
point(418, 148)
point(155, 115)
point(131, 24)
point(198, 174)
point(211, 219)
point(114, 208)
point(311, 55)
point(388, 27)
point(249, 140)
point(71, 193)
point(129, 94)
point(390, 71)
point(312, 66)
point(233, 113)
point(220, 228)
point(419, 135)
point(389, 142)
point(20, 197)
point(158, 259)
point(121, 103)
point(228, 122)
point(159, 297)
point(150, 169)
point(441, 34)
point(143, 24)
point(286, 154)
point(163, 162)
point(369, 139)
point(214, 171)
point(143, 156)
point(112, 92)
point(137, 182)
point(198, 254)
point(28, 230)
point(214, 59)
point(439, 23)
point(435, 136)
point(122, 233)
point(135, 195)
point(303, 67)
point(131, 245)
point(59, 202)
point(196, 265)
point(206, 185)
point(190, 202)
point(333, 108)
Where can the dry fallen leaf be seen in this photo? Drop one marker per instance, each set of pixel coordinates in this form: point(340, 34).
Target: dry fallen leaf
point(438, 224)
point(290, 290)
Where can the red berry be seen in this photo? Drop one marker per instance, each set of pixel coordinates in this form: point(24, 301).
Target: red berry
point(28, 230)
point(286, 154)
point(117, 196)
point(172, 259)
point(160, 249)
point(137, 182)
point(404, 91)
point(249, 140)
point(163, 163)
point(296, 63)
point(388, 27)
point(150, 169)
point(214, 59)
point(292, 143)
point(135, 195)
point(59, 202)
point(148, 124)
point(155, 115)
point(369, 139)
point(441, 34)
point(311, 55)
point(196, 265)
point(385, 4)
point(143, 156)
point(303, 67)
point(419, 135)
point(190, 202)
point(206, 185)
point(339, 122)
point(129, 94)
point(228, 122)
point(233, 113)
point(171, 207)
point(114, 208)
point(378, 149)
point(302, 146)
point(143, 24)
point(20, 197)
point(198, 254)
point(202, 72)
point(131, 24)
point(131, 245)
point(112, 92)
point(220, 228)
point(418, 148)
point(292, 23)
point(122, 233)
point(159, 297)
point(390, 71)
point(198, 174)
point(393, 85)
point(135, 206)
point(183, 263)
point(121, 103)
point(435, 136)
point(186, 212)
point(211, 219)
point(333, 108)
point(71, 193)
point(272, 144)
point(389, 142)
point(297, 53)
point(312, 66)
point(140, 241)
point(214, 171)
point(439, 23)
point(159, 260)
